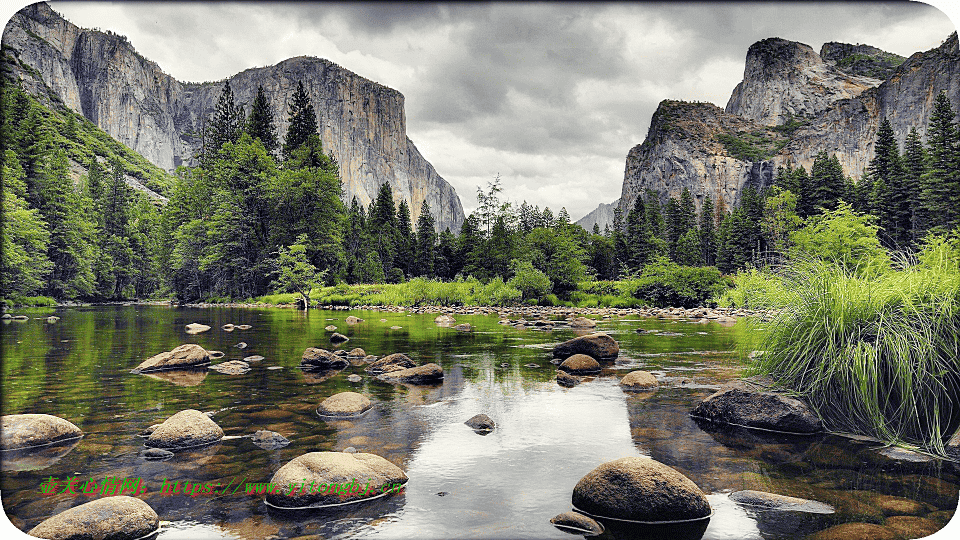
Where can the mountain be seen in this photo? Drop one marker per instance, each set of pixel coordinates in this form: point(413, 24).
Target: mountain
point(100, 75)
point(861, 60)
point(601, 216)
point(789, 106)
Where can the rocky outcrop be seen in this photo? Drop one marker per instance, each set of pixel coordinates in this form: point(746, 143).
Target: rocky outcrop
point(695, 145)
point(598, 345)
point(785, 79)
point(100, 75)
point(112, 518)
point(185, 356)
point(861, 60)
point(602, 216)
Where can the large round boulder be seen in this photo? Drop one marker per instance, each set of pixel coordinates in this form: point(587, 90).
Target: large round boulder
point(391, 362)
point(112, 518)
point(580, 364)
point(345, 404)
point(314, 358)
point(21, 431)
point(186, 429)
point(425, 374)
point(639, 489)
point(741, 404)
point(182, 357)
point(325, 478)
point(639, 380)
point(598, 345)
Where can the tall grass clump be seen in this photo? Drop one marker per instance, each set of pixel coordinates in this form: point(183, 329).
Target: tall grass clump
point(873, 352)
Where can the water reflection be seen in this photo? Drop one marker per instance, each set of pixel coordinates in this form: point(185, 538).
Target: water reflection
point(506, 484)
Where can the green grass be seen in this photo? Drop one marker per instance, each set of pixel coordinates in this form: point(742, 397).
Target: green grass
point(29, 301)
point(873, 353)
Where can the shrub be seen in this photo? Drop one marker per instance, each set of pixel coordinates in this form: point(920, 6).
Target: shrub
point(755, 289)
point(531, 283)
point(664, 284)
point(874, 354)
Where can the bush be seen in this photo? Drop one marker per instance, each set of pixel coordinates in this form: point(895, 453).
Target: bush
point(667, 284)
point(873, 354)
point(755, 289)
point(531, 283)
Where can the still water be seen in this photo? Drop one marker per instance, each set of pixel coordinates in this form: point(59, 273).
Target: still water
point(507, 484)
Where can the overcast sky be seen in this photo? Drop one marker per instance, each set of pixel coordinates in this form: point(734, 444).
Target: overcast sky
point(550, 96)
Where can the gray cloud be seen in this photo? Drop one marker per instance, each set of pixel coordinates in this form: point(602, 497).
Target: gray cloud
point(551, 95)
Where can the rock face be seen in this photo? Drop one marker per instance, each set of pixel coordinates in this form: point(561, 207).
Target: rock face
point(861, 60)
point(111, 518)
point(837, 112)
point(21, 431)
point(602, 216)
point(184, 356)
point(598, 345)
point(345, 404)
point(639, 489)
point(785, 79)
point(100, 75)
point(740, 404)
point(185, 429)
point(323, 470)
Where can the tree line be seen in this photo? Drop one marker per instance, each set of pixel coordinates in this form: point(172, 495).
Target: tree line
point(255, 213)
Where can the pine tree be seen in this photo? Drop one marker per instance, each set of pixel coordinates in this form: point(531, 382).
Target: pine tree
point(674, 224)
point(382, 227)
point(69, 249)
point(405, 242)
point(355, 240)
point(914, 167)
point(445, 265)
point(224, 126)
point(827, 183)
point(890, 199)
point(426, 241)
point(708, 233)
point(303, 121)
point(940, 197)
point(260, 122)
point(636, 238)
point(24, 236)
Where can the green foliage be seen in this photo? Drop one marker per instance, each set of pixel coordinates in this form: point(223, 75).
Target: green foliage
point(303, 121)
point(841, 236)
point(531, 283)
point(294, 271)
point(260, 123)
point(755, 289)
point(751, 146)
point(664, 283)
point(558, 255)
point(873, 354)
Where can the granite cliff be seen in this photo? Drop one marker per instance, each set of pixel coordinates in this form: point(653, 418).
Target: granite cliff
point(602, 216)
point(790, 106)
point(100, 75)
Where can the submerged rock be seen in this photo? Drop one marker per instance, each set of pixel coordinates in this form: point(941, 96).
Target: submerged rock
point(639, 489)
point(740, 404)
point(330, 328)
point(184, 356)
point(354, 378)
point(577, 522)
point(444, 319)
point(359, 476)
point(253, 358)
point(196, 328)
point(156, 454)
point(639, 380)
point(580, 364)
point(392, 362)
point(772, 501)
point(425, 374)
point(481, 422)
point(352, 320)
point(345, 404)
point(233, 367)
point(568, 380)
point(269, 440)
point(465, 327)
point(112, 518)
point(598, 345)
point(186, 429)
point(21, 431)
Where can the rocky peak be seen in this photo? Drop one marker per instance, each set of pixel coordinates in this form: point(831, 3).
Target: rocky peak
point(861, 60)
point(100, 75)
point(784, 79)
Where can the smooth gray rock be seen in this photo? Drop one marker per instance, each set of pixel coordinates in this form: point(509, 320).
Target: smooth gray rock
point(119, 517)
point(741, 404)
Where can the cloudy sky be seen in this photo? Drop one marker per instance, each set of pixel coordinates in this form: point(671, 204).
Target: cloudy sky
point(549, 96)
